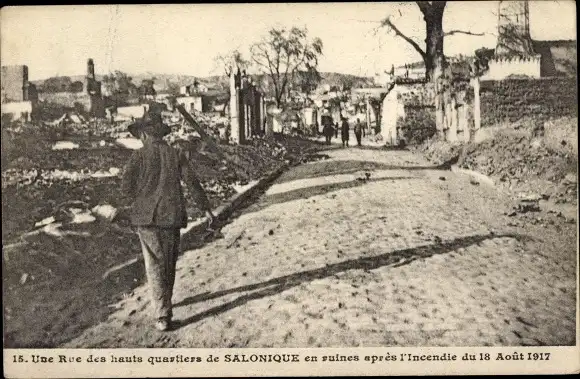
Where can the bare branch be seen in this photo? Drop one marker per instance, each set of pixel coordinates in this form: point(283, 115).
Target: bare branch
point(388, 23)
point(452, 32)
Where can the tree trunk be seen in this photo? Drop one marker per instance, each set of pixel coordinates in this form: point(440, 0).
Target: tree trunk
point(434, 57)
point(435, 62)
point(279, 95)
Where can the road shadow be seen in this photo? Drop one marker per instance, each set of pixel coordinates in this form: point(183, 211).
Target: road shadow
point(377, 147)
point(199, 236)
point(277, 285)
point(330, 167)
point(308, 192)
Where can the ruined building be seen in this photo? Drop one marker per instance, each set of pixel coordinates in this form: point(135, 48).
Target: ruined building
point(513, 28)
point(90, 99)
point(19, 96)
point(516, 54)
point(15, 84)
point(91, 85)
point(92, 88)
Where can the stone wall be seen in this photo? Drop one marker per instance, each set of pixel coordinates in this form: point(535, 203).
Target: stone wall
point(21, 110)
point(66, 99)
point(416, 113)
point(247, 109)
point(418, 121)
point(512, 99)
point(501, 68)
point(14, 79)
point(90, 104)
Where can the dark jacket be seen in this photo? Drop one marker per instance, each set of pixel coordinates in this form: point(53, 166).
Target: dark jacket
point(358, 128)
point(344, 130)
point(328, 130)
point(152, 181)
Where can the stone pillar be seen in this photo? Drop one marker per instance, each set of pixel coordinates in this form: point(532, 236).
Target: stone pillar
point(462, 122)
point(234, 110)
point(241, 114)
point(269, 125)
point(440, 109)
point(453, 120)
point(262, 114)
point(390, 116)
point(368, 115)
point(476, 104)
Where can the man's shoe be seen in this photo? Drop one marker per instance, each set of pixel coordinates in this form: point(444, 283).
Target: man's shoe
point(162, 325)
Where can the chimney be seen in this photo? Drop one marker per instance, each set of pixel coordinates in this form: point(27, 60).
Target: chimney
point(90, 69)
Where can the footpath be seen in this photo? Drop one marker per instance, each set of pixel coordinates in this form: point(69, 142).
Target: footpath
point(366, 248)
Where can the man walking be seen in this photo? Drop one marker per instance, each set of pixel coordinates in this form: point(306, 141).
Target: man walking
point(344, 132)
point(358, 131)
point(327, 129)
point(152, 181)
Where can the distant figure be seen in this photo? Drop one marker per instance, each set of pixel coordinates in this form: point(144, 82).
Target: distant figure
point(328, 132)
point(344, 129)
point(336, 129)
point(359, 131)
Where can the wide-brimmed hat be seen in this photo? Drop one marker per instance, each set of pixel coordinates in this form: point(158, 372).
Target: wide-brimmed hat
point(151, 122)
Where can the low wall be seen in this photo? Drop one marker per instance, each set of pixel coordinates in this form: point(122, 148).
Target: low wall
point(417, 121)
point(66, 99)
point(18, 110)
point(502, 68)
point(509, 100)
point(94, 105)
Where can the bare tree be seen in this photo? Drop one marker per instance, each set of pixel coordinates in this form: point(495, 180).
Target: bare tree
point(147, 88)
point(283, 53)
point(231, 60)
point(308, 79)
point(433, 54)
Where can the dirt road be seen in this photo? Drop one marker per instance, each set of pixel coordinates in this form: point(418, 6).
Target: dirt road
point(331, 257)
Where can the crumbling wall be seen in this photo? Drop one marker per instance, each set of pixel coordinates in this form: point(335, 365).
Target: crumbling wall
point(510, 100)
point(93, 105)
point(18, 110)
point(501, 68)
point(418, 120)
point(14, 79)
point(67, 99)
point(247, 108)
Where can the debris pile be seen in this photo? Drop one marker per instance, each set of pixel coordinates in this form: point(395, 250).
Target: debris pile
point(439, 152)
point(41, 177)
point(523, 163)
point(518, 158)
point(60, 184)
point(530, 203)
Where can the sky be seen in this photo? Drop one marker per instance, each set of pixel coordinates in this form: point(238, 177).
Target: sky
point(185, 38)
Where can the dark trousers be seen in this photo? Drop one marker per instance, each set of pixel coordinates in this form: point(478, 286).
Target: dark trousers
point(328, 137)
point(358, 138)
point(160, 248)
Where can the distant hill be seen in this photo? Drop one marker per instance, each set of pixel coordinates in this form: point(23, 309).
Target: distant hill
point(162, 81)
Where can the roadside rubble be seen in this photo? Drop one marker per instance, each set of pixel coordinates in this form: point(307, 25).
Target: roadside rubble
point(65, 145)
point(539, 170)
point(525, 204)
point(60, 185)
point(517, 160)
